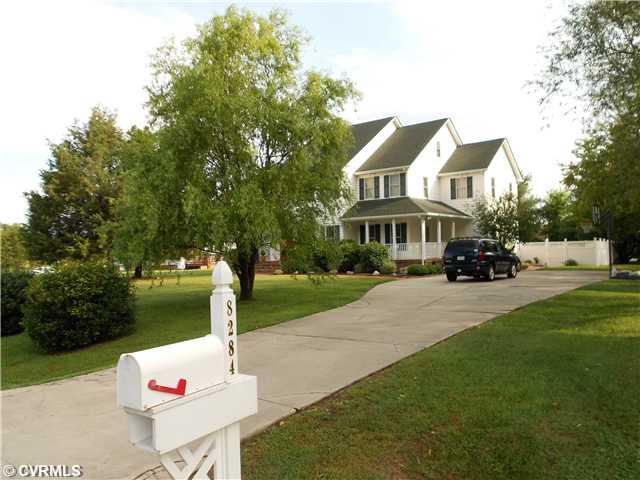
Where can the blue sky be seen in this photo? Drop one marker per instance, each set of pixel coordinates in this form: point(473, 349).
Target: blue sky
point(419, 60)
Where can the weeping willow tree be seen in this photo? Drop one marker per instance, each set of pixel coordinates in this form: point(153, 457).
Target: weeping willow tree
point(250, 147)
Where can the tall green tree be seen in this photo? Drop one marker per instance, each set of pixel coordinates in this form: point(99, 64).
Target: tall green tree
point(528, 212)
point(251, 147)
point(72, 216)
point(594, 56)
point(558, 216)
point(12, 248)
point(498, 218)
point(608, 175)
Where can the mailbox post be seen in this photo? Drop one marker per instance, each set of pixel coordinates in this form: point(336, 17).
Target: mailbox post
point(184, 401)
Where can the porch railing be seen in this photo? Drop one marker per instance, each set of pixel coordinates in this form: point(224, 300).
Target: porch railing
point(411, 251)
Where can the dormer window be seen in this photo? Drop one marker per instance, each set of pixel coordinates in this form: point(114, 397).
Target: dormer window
point(437, 148)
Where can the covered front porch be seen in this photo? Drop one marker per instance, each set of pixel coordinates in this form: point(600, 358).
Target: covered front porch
point(412, 229)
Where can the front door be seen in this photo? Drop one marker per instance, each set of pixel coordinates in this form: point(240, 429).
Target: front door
point(374, 232)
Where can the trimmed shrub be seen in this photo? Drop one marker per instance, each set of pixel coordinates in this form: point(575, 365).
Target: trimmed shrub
point(78, 305)
point(296, 258)
point(374, 254)
point(536, 260)
point(327, 255)
point(351, 253)
point(570, 262)
point(388, 267)
point(435, 268)
point(14, 295)
point(524, 266)
point(418, 269)
point(360, 268)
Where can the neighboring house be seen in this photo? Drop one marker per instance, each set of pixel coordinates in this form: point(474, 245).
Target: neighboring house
point(415, 185)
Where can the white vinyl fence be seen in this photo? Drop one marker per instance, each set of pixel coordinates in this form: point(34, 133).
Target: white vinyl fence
point(588, 252)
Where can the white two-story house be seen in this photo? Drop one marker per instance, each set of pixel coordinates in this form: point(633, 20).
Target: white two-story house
point(415, 185)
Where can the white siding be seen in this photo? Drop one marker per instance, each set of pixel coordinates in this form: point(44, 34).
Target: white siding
point(501, 170)
point(463, 204)
point(428, 164)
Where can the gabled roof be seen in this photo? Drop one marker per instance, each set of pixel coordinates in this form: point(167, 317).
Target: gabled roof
point(403, 146)
point(388, 207)
point(363, 133)
point(472, 156)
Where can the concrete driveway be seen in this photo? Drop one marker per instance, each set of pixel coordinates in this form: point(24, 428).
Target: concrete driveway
point(76, 421)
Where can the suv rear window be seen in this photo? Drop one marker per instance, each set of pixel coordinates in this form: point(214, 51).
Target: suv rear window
point(461, 247)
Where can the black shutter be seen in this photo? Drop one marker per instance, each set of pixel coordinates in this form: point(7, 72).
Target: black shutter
point(387, 233)
point(386, 186)
point(403, 184)
point(377, 232)
point(362, 234)
point(376, 187)
point(401, 233)
point(337, 234)
point(453, 188)
point(361, 187)
point(469, 187)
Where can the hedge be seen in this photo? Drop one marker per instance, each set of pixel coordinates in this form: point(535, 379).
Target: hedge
point(78, 305)
point(14, 295)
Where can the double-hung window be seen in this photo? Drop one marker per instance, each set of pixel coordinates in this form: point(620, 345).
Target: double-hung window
point(332, 232)
point(395, 185)
point(368, 188)
point(461, 187)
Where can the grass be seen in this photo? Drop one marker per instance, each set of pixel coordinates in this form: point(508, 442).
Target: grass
point(173, 313)
point(548, 391)
point(601, 268)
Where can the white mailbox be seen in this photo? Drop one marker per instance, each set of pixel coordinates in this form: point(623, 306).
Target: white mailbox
point(178, 394)
point(159, 375)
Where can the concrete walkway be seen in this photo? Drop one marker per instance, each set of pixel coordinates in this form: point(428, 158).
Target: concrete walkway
point(76, 421)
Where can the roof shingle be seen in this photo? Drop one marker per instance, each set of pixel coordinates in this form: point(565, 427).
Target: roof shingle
point(363, 133)
point(403, 146)
point(472, 156)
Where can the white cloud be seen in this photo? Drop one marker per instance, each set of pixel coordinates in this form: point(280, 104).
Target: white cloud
point(60, 59)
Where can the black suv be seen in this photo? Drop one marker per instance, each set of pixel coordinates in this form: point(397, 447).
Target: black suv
point(478, 257)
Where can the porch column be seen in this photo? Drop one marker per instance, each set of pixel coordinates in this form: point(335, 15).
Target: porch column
point(453, 229)
point(423, 230)
point(394, 253)
point(366, 231)
point(439, 231)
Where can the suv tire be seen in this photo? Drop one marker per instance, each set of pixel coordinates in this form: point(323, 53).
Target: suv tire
point(492, 273)
point(451, 277)
point(513, 271)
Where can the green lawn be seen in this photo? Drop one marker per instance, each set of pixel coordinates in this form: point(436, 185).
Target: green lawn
point(178, 312)
point(602, 268)
point(548, 391)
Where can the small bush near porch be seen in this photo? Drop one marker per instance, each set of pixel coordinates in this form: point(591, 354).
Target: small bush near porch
point(548, 391)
